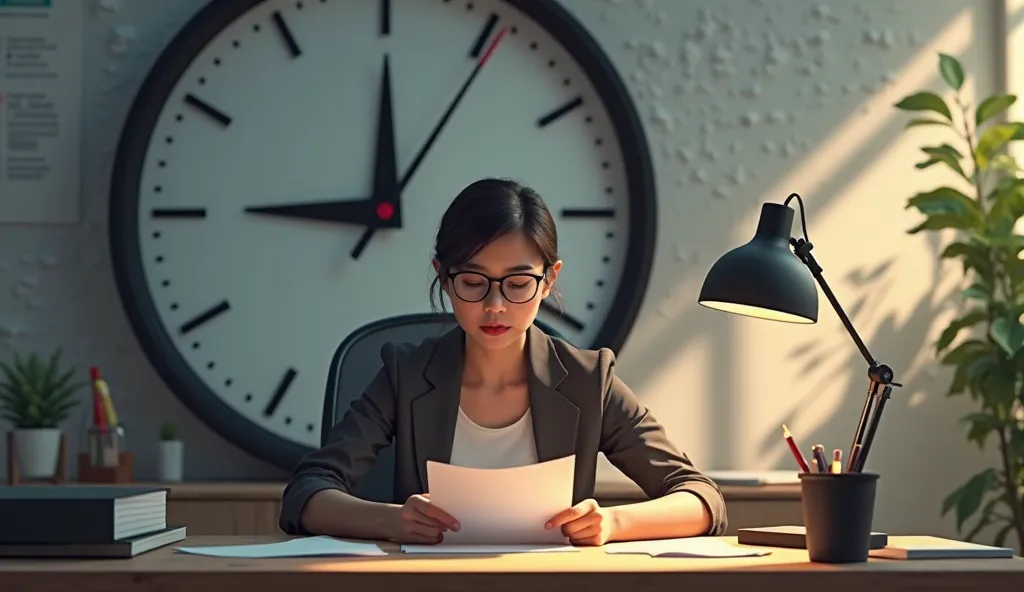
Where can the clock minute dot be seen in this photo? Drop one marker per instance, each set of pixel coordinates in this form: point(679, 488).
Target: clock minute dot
point(590, 306)
point(600, 283)
point(287, 421)
point(210, 365)
point(279, 392)
point(606, 259)
point(228, 382)
point(309, 427)
point(485, 34)
point(609, 235)
point(202, 80)
point(208, 109)
point(159, 259)
point(286, 34)
point(533, 46)
point(195, 345)
point(204, 317)
point(566, 82)
point(248, 397)
point(216, 61)
point(560, 111)
point(165, 283)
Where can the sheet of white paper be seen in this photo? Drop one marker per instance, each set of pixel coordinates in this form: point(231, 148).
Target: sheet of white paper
point(686, 547)
point(767, 477)
point(302, 547)
point(503, 506)
point(488, 549)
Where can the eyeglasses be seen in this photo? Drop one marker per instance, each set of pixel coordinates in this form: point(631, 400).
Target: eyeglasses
point(517, 288)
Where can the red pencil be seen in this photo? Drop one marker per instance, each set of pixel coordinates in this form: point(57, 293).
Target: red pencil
point(795, 449)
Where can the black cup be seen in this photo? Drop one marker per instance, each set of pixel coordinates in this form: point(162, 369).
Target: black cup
point(838, 511)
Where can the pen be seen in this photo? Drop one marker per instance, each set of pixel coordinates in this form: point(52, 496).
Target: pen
point(837, 461)
point(818, 451)
point(795, 449)
point(851, 463)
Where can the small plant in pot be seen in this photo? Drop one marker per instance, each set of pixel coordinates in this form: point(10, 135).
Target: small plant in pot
point(37, 396)
point(172, 452)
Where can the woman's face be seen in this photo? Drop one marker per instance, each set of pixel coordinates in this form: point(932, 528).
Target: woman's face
point(500, 313)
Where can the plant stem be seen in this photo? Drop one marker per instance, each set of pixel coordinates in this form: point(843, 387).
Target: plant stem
point(1011, 486)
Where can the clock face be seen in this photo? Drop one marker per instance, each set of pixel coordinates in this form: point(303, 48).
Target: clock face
point(240, 298)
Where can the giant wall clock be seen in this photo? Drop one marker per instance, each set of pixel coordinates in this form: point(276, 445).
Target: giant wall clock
point(285, 164)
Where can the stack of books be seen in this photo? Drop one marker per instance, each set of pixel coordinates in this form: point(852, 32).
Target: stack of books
point(84, 521)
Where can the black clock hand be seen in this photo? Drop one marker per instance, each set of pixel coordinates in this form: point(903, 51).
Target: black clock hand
point(448, 113)
point(386, 194)
point(382, 209)
point(354, 211)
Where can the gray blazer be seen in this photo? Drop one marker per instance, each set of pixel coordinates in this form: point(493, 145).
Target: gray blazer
point(579, 407)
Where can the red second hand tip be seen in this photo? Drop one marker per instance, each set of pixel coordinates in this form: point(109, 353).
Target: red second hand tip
point(494, 44)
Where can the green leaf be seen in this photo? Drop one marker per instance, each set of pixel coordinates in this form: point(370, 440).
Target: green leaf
point(966, 351)
point(951, 71)
point(949, 334)
point(945, 154)
point(1008, 334)
point(991, 107)
point(925, 101)
point(967, 498)
point(919, 121)
point(997, 387)
point(977, 291)
point(993, 139)
point(945, 200)
point(981, 425)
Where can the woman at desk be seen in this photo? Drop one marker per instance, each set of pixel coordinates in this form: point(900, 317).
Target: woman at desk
point(498, 392)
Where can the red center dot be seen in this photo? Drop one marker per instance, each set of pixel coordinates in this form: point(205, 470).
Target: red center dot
point(385, 211)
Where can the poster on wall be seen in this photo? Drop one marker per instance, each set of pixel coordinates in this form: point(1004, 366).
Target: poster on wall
point(40, 110)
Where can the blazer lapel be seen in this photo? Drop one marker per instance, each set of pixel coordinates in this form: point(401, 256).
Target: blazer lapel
point(434, 413)
point(555, 417)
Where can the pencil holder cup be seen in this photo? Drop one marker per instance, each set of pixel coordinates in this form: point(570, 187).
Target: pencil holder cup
point(838, 511)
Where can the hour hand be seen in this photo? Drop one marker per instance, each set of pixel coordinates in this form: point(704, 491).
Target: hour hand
point(360, 212)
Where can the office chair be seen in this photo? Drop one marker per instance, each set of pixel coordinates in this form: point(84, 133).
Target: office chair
point(354, 365)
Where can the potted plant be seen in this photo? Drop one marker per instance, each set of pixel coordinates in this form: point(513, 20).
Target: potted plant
point(36, 396)
point(172, 453)
point(985, 344)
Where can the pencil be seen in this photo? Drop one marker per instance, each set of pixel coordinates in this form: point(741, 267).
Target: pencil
point(837, 461)
point(795, 450)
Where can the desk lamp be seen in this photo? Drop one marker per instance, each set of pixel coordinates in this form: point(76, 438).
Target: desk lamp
point(767, 279)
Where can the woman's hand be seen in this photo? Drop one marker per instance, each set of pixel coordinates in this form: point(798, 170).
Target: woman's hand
point(586, 523)
point(419, 521)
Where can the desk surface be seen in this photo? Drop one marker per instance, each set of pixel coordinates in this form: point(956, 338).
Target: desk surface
point(272, 490)
point(164, 570)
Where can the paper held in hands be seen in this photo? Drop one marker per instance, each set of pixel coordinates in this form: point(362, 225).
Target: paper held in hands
point(503, 506)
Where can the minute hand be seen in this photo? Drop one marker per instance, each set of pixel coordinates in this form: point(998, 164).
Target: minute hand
point(448, 113)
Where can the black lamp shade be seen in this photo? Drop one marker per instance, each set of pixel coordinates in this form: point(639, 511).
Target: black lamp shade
point(764, 278)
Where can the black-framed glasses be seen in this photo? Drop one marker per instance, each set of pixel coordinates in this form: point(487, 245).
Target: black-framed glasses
point(517, 288)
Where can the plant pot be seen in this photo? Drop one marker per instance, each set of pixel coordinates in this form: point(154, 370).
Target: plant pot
point(38, 452)
point(172, 460)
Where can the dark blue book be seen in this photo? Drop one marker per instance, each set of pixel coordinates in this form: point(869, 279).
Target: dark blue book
point(67, 514)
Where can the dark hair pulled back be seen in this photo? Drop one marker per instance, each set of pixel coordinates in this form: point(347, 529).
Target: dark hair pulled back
point(484, 211)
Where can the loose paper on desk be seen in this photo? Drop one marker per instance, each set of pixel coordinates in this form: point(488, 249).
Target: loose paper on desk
point(315, 546)
point(503, 506)
point(686, 547)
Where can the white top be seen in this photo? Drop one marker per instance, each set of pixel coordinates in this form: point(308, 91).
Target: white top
point(493, 448)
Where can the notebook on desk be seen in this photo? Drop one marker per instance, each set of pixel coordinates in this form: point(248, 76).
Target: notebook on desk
point(64, 514)
point(929, 547)
point(122, 549)
point(790, 536)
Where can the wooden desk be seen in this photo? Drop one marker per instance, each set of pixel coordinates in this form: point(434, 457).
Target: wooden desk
point(591, 569)
point(231, 508)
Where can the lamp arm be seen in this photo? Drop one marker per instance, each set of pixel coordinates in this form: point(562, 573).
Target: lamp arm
point(877, 372)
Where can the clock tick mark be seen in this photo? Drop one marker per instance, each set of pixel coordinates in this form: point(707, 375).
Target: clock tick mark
point(210, 365)
point(286, 34)
point(208, 109)
point(279, 392)
point(560, 111)
point(385, 17)
point(204, 317)
point(248, 397)
point(178, 212)
point(309, 427)
point(485, 34)
point(588, 213)
point(287, 421)
point(564, 316)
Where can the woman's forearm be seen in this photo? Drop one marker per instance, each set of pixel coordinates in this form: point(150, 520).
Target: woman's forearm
point(679, 514)
point(333, 512)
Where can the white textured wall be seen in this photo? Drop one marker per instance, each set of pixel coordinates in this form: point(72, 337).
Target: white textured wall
point(744, 101)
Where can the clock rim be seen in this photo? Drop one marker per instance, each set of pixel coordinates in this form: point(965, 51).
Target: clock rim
point(123, 208)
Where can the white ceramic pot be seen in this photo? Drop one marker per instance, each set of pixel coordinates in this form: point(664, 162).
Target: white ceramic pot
point(38, 452)
point(172, 460)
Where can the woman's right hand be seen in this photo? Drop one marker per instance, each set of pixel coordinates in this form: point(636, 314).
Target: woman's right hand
point(420, 521)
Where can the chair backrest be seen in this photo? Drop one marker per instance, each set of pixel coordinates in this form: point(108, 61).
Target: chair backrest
point(354, 365)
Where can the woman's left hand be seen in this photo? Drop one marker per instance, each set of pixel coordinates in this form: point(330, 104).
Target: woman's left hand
point(586, 523)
